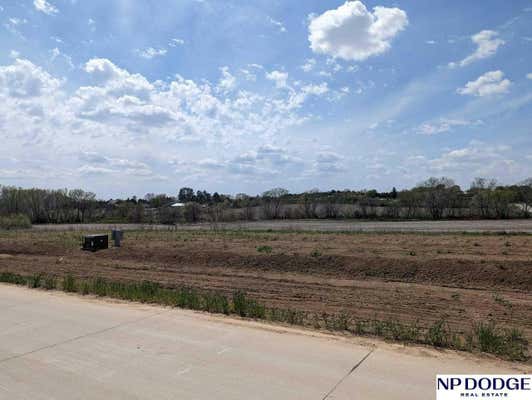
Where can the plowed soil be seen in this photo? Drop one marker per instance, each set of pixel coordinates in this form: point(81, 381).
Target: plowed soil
point(402, 276)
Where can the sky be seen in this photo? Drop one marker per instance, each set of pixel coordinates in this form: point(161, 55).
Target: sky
point(125, 98)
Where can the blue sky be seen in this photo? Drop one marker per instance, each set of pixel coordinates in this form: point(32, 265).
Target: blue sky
point(129, 97)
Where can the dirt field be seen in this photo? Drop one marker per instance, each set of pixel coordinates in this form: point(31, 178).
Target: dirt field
point(407, 277)
point(515, 226)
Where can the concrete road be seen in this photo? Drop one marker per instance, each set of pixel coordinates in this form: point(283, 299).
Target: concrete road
point(58, 346)
point(515, 225)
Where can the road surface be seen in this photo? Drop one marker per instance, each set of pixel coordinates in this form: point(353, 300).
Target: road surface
point(59, 346)
point(515, 225)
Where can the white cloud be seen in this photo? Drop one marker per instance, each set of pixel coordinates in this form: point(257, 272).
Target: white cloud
point(487, 44)
point(327, 162)
point(135, 127)
point(248, 75)
point(45, 7)
point(92, 24)
point(227, 81)
point(150, 52)
point(443, 125)
point(23, 79)
point(56, 54)
point(278, 77)
point(13, 24)
point(477, 157)
point(430, 41)
point(278, 24)
point(309, 65)
point(488, 84)
point(529, 75)
point(176, 42)
point(352, 32)
point(14, 54)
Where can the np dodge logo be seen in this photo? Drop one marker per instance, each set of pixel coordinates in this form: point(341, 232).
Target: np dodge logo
point(511, 387)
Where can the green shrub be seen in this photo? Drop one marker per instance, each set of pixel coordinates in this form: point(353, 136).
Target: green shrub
point(216, 303)
point(438, 334)
point(50, 282)
point(264, 249)
point(315, 253)
point(247, 307)
point(9, 277)
point(69, 283)
point(34, 281)
point(509, 343)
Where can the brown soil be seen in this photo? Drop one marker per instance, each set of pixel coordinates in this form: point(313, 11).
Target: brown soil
point(407, 277)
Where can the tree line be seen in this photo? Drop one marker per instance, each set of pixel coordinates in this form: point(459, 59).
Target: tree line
point(434, 198)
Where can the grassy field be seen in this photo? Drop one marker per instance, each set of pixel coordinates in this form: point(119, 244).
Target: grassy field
point(465, 291)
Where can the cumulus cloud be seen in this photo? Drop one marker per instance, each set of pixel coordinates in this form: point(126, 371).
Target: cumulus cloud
point(474, 159)
point(477, 156)
point(352, 32)
point(116, 112)
point(488, 84)
point(487, 44)
point(45, 7)
point(227, 81)
point(23, 79)
point(278, 77)
point(529, 75)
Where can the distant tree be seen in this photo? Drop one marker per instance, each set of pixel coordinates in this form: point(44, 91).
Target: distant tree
point(525, 196)
point(157, 201)
point(411, 201)
point(310, 204)
point(272, 201)
point(481, 197)
point(394, 193)
point(186, 194)
point(438, 194)
point(244, 202)
point(503, 197)
point(192, 212)
point(203, 197)
point(83, 202)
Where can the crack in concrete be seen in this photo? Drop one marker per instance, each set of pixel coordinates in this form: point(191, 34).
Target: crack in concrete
point(347, 375)
point(50, 346)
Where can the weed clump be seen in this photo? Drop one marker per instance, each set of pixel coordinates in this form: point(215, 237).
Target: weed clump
point(264, 249)
point(69, 283)
point(34, 281)
point(315, 253)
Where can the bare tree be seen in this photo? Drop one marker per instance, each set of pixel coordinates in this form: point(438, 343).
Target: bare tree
point(272, 201)
point(83, 203)
point(481, 192)
point(438, 194)
point(310, 204)
point(245, 203)
point(192, 212)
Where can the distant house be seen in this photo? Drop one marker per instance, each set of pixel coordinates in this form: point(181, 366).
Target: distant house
point(177, 204)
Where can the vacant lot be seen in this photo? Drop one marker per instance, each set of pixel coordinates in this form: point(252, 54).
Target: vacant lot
point(457, 226)
point(410, 278)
